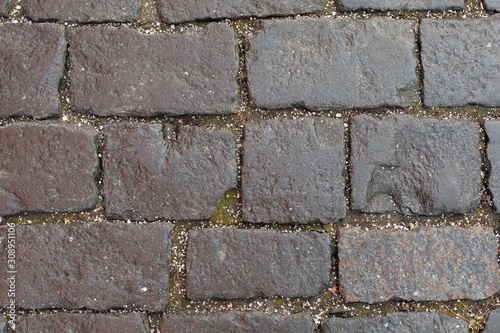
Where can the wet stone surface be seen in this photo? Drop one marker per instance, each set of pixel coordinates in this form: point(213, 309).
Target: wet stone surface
point(228, 264)
point(189, 73)
point(293, 171)
point(150, 174)
point(83, 323)
point(492, 5)
point(5, 7)
point(460, 61)
point(321, 64)
point(230, 322)
point(32, 58)
point(83, 11)
point(493, 322)
point(97, 266)
point(384, 5)
point(493, 152)
point(47, 167)
point(178, 11)
point(431, 264)
point(414, 166)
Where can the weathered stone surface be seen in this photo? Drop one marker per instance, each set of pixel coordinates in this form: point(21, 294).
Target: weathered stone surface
point(178, 11)
point(423, 322)
point(460, 61)
point(3, 323)
point(47, 167)
point(5, 7)
point(83, 11)
point(237, 322)
point(96, 266)
point(431, 264)
point(83, 323)
point(147, 176)
point(293, 171)
point(189, 73)
point(492, 5)
point(321, 64)
point(493, 322)
point(493, 151)
point(32, 58)
point(231, 263)
point(414, 166)
point(402, 4)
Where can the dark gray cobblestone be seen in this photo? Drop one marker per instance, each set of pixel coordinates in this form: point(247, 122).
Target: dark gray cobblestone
point(5, 7)
point(493, 322)
point(492, 5)
point(493, 151)
point(402, 4)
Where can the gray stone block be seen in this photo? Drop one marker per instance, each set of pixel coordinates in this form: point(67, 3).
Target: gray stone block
point(493, 5)
point(383, 5)
point(5, 6)
point(493, 322)
point(493, 152)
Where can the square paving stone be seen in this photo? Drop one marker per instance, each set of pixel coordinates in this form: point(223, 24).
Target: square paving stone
point(293, 171)
point(493, 151)
point(5, 6)
point(149, 174)
point(414, 166)
point(32, 58)
point(383, 5)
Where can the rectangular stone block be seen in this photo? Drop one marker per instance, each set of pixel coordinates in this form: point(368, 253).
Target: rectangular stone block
point(320, 64)
point(231, 263)
point(122, 72)
point(493, 5)
point(383, 5)
point(149, 174)
point(47, 167)
point(493, 151)
point(293, 171)
point(83, 11)
point(98, 266)
point(430, 264)
point(460, 62)
point(414, 166)
point(32, 58)
point(5, 6)
point(230, 322)
point(179, 11)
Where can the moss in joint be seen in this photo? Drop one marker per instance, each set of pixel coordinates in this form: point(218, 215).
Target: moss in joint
point(227, 212)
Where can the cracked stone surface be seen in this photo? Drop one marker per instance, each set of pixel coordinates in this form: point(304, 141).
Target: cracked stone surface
point(493, 322)
point(151, 174)
point(47, 167)
point(320, 64)
point(5, 6)
point(179, 11)
point(414, 166)
point(384, 5)
point(98, 266)
point(422, 322)
point(492, 5)
point(460, 60)
point(83, 323)
point(187, 73)
point(231, 263)
point(493, 151)
point(430, 264)
point(293, 171)
point(230, 322)
point(83, 11)
point(32, 58)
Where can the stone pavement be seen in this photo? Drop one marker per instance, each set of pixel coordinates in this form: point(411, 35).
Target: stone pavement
point(249, 166)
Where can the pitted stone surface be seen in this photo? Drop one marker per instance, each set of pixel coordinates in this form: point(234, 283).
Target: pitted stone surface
point(179, 11)
point(239, 322)
point(493, 322)
point(83, 11)
point(98, 266)
point(82, 323)
point(492, 5)
point(189, 73)
point(5, 7)
point(493, 151)
point(431, 264)
point(3, 323)
point(414, 166)
point(461, 60)
point(147, 176)
point(383, 5)
point(321, 64)
point(293, 171)
point(394, 322)
point(231, 263)
point(32, 58)
point(47, 167)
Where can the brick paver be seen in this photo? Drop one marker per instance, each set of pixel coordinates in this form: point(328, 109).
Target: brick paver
point(5, 6)
point(437, 5)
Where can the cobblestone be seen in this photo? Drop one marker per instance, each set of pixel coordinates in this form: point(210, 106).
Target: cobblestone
point(5, 7)
point(382, 5)
point(493, 322)
point(493, 150)
point(492, 5)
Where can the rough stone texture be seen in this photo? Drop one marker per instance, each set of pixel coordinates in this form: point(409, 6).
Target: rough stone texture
point(83, 11)
point(414, 166)
point(83, 323)
point(237, 322)
point(147, 176)
point(493, 151)
point(395, 322)
point(3, 323)
point(461, 61)
point(178, 11)
point(493, 322)
point(96, 266)
point(293, 171)
point(321, 64)
point(231, 263)
point(402, 4)
point(5, 7)
point(189, 73)
point(47, 167)
point(32, 58)
point(431, 264)
point(492, 5)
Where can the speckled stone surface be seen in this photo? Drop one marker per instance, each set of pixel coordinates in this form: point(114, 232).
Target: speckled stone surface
point(493, 322)
point(383, 5)
point(5, 6)
point(492, 5)
point(493, 153)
